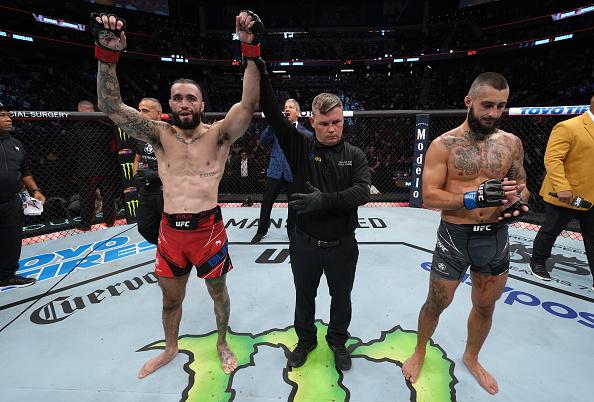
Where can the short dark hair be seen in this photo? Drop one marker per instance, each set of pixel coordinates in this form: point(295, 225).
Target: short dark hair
point(187, 81)
point(494, 80)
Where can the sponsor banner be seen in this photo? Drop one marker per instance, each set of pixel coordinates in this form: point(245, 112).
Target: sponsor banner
point(126, 154)
point(420, 148)
point(547, 110)
point(62, 307)
point(23, 114)
point(91, 255)
point(519, 298)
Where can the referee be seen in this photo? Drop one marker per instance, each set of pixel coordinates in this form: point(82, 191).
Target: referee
point(331, 179)
point(14, 173)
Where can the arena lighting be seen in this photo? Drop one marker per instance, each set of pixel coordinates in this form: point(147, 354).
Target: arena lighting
point(16, 36)
point(347, 70)
point(572, 13)
point(287, 34)
point(174, 58)
point(563, 37)
point(58, 22)
point(314, 63)
point(279, 71)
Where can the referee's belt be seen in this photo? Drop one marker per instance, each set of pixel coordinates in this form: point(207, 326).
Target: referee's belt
point(317, 242)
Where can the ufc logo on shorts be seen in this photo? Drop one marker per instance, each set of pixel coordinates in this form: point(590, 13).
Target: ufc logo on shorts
point(182, 224)
point(481, 228)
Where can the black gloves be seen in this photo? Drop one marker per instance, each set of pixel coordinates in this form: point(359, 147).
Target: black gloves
point(489, 194)
point(304, 203)
point(103, 35)
point(516, 206)
point(145, 177)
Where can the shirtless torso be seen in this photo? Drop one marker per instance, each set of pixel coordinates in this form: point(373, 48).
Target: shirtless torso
point(191, 169)
point(470, 162)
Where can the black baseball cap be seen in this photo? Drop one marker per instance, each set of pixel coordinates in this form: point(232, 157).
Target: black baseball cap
point(4, 106)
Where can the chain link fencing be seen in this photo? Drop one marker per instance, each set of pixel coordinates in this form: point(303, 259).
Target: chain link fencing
point(83, 164)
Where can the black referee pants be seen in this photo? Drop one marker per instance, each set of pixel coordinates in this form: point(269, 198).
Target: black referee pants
point(308, 262)
point(150, 212)
point(271, 192)
point(11, 236)
point(556, 219)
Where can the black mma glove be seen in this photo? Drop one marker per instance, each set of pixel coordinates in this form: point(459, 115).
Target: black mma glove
point(251, 50)
point(100, 33)
point(489, 194)
point(304, 203)
point(144, 177)
point(516, 206)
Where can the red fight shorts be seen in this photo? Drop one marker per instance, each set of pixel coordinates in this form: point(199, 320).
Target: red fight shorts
point(193, 239)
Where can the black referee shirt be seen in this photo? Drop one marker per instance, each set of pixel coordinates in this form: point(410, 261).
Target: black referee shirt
point(340, 172)
point(13, 166)
point(148, 160)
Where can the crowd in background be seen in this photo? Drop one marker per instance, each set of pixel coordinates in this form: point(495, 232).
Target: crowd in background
point(34, 78)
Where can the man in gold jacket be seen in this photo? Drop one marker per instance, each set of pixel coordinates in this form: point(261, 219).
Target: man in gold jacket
point(569, 161)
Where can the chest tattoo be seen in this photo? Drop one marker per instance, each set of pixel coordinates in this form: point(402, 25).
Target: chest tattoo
point(469, 157)
point(188, 141)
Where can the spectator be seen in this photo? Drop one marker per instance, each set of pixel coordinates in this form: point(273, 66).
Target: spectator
point(97, 167)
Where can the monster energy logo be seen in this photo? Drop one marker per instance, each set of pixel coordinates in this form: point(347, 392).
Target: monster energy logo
point(127, 169)
point(317, 379)
point(132, 205)
point(122, 134)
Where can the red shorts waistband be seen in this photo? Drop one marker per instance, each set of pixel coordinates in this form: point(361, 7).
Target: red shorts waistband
point(193, 221)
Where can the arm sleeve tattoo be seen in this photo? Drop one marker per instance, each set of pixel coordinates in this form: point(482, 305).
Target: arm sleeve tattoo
point(127, 118)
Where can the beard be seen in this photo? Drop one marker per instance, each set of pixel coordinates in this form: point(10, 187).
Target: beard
point(187, 125)
point(478, 131)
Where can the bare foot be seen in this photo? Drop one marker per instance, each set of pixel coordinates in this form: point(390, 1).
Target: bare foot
point(156, 362)
point(228, 360)
point(412, 367)
point(485, 379)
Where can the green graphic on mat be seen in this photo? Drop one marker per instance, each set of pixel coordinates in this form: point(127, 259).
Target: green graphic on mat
point(317, 379)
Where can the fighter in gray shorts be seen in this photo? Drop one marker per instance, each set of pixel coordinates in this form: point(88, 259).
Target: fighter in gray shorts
point(483, 247)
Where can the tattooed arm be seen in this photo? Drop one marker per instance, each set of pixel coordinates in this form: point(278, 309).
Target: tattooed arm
point(125, 117)
point(434, 176)
point(516, 171)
